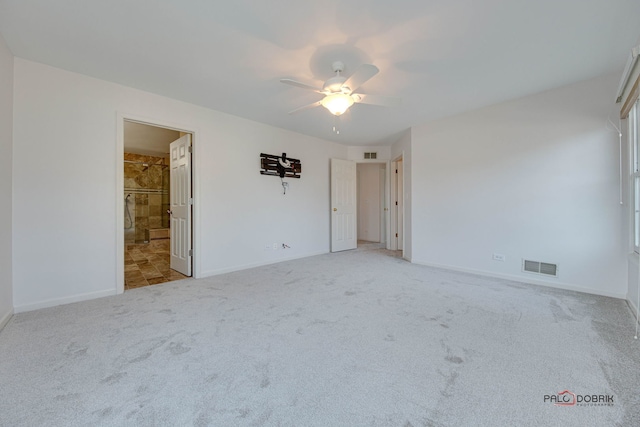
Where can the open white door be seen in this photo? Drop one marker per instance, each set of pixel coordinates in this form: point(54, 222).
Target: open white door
point(400, 206)
point(180, 200)
point(343, 205)
point(383, 206)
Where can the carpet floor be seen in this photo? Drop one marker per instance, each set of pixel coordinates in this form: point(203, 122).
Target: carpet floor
point(359, 338)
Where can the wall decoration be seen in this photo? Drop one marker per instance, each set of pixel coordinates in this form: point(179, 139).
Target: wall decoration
point(282, 166)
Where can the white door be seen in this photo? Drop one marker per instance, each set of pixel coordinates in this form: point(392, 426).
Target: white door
point(180, 200)
point(383, 205)
point(343, 205)
point(400, 206)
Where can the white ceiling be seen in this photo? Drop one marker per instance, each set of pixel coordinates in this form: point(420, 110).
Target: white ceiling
point(441, 57)
point(148, 140)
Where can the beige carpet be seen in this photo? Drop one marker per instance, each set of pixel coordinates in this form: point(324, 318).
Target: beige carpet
point(360, 338)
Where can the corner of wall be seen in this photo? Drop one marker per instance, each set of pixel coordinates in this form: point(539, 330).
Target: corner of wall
point(5, 319)
point(6, 181)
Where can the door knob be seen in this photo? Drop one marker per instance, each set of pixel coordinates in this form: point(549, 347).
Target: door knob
point(335, 209)
point(169, 212)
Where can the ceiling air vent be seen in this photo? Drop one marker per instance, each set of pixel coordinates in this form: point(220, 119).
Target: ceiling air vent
point(370, 155)
point(538, 267)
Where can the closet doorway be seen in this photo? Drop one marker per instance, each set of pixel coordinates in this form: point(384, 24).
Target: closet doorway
point(157, 204)
point(372, 203)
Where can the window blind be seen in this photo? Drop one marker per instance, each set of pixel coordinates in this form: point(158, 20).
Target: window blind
point(629, 88)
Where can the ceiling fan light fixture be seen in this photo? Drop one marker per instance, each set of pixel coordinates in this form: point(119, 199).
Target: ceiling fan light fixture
point(337, 103)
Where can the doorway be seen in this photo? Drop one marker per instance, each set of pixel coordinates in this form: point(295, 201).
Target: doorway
point(360, 193)
point(372, 205)
point(157, 204)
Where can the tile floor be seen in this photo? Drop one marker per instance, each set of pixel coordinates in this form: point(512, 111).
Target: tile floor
point(148, 264)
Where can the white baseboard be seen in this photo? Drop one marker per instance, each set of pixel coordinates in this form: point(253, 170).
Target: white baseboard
point(257, 264)
point(64, 300)
point(5, 318)
point(556, 285)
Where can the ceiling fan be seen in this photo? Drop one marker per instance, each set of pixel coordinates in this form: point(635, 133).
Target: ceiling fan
point(339, 92)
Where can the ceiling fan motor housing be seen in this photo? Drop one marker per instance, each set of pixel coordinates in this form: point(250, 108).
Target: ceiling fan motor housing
point(334, 84)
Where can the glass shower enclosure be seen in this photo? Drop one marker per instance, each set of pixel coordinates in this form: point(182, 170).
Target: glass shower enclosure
point(146, 198)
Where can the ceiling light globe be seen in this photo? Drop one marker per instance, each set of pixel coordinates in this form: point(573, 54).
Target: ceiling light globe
point(337, 103)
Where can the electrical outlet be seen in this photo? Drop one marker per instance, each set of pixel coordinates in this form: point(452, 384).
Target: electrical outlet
point(267, 247)
point(498, 257)
point(275, 246)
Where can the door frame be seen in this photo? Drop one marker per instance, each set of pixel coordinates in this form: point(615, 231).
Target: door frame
point(121, 117)
point(386, 199)
point(392, 243)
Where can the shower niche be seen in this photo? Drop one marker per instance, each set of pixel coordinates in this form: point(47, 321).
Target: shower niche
point(146, 198)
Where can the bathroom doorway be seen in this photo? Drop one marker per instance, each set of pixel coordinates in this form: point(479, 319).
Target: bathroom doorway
point(156, 161)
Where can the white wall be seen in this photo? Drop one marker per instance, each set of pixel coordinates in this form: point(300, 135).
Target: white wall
point(403, 148)
point(369, 201)
point(534, 178)
point(65, 187)
point(6, 148)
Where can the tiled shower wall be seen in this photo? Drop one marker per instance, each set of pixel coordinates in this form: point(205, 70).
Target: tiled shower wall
point(148, 187)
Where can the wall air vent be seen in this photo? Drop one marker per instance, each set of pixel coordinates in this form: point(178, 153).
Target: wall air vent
point(370, 155)
point(538, 267)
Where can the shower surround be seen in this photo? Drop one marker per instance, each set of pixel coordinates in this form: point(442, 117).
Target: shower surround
point(146, 194)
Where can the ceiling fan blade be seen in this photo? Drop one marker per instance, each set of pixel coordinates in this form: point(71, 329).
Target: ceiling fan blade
point(300, 84)
point(384, 101)
point(306, 107)
point(361, 75)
